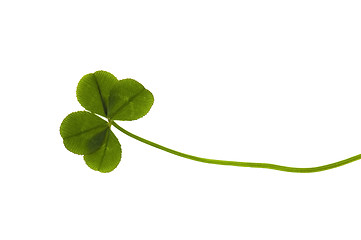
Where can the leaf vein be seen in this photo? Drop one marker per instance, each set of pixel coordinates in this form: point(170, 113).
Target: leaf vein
point(101, 96)
point(126, 103)
point(105, 149)
point(83, 132)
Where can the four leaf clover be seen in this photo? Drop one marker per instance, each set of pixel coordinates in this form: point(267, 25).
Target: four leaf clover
point(86, 133)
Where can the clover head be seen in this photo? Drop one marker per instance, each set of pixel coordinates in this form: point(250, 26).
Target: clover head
point(86, 133)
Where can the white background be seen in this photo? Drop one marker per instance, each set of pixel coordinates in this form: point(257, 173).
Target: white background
point(259, 81)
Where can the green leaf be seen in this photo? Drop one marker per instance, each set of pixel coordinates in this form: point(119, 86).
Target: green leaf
point(93, 91)
point(107, 157)
point(83, 132)
point(129, 100)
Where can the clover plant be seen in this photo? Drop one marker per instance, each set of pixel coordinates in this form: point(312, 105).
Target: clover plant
point(108, 99)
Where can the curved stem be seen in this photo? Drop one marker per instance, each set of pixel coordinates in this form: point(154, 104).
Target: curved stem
point(241, 164)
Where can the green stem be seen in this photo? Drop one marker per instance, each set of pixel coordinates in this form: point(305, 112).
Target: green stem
point(241, 164)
